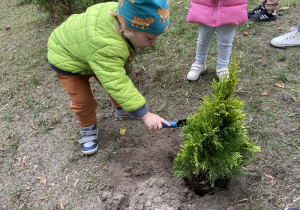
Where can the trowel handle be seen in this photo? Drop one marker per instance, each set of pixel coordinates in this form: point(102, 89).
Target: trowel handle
point(173, 124)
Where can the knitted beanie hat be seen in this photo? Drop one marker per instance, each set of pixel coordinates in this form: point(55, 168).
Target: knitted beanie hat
point(149, 16)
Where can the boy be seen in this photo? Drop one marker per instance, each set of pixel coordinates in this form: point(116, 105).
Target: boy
point(265, 12)
point(96, 44)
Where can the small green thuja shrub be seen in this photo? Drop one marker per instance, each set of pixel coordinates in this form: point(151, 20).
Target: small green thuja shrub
point(215, 141)
point(61, 9)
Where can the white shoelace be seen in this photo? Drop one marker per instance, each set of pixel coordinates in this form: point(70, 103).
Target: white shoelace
point(291, 35)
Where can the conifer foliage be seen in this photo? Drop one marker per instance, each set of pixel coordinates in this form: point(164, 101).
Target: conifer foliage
point(215, 140)
point(62, 9)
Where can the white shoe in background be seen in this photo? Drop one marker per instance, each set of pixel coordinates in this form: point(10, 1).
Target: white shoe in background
point(287, 40)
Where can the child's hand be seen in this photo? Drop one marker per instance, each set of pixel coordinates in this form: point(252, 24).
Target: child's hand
point(153, 121)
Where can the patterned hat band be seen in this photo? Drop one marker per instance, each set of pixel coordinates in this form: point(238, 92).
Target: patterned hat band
point(148, 16)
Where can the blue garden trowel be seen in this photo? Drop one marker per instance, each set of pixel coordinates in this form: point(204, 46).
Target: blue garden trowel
point(175, 124)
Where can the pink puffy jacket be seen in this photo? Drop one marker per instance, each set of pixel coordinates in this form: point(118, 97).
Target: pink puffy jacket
point(218, 12)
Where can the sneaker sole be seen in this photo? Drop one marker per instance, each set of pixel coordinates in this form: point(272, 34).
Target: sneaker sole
point(254, 20)
point(90, 151)
point(282, 46)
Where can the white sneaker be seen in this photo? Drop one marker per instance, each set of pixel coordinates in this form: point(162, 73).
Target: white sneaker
point(222, 72)
point(196, 70)
point(287, 40)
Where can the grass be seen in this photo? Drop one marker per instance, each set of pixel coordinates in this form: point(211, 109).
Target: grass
point(33, 113)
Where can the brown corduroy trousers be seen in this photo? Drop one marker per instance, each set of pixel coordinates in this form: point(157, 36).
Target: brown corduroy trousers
point(83, 103)
point(270, 5)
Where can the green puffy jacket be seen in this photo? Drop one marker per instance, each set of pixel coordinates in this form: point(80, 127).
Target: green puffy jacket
point(87, 43)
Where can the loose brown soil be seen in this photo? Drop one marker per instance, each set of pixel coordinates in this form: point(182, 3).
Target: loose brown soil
point(140, 177)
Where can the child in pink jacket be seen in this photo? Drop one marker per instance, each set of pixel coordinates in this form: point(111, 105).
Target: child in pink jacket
point(215, 15)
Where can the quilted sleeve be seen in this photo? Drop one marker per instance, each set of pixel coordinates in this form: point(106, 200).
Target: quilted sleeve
point(108, 66)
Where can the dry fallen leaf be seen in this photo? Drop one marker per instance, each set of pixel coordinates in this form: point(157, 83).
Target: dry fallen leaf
point(269, 176)
point(76, 182)
point(21, 162)
point(50, 185)
point(44, 182)
point(293, 98)
point(67, 178)
point(61, 205)
point(242, 91)
point(18, 163)
point(278, 84)
point(241, 201)
point(186, 8)
point(7, 28)
point(41, 177)
point(43, 198)
point(28, 188)
point(100, 201)
point(284, 8)
point(246, 33)
point(265, 93)
point(281, 28)
point(21, 206)
point(122, 130)
point(95, 167)
point(138, 71)
point(203, 182)
point(32, 126)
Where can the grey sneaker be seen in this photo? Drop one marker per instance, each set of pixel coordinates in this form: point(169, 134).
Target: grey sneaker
point(122, 114)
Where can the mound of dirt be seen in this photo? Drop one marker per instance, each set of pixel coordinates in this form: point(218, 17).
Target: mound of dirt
point(159, 194)
point(140, 177)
